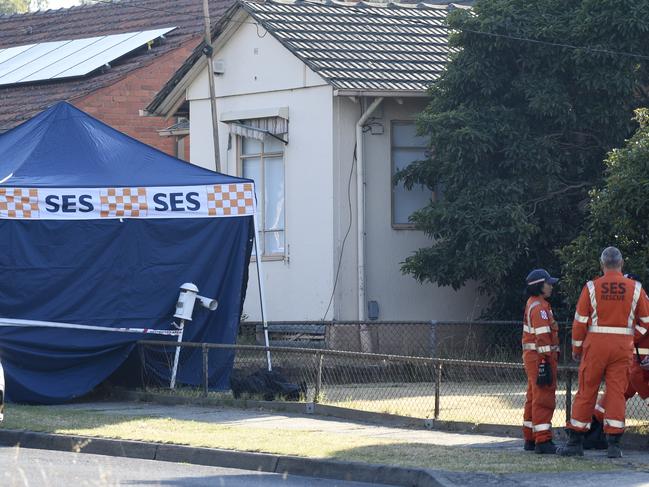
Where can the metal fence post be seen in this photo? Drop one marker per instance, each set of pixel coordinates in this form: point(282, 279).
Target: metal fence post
point(318, 380)
point(433, 338)
point(566, 353)
point(438, 380)
point(140, 349)
point(206, 376)
point(568, 394)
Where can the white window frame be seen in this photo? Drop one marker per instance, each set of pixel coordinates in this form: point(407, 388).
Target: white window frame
point(395, 225)
point(261, 210)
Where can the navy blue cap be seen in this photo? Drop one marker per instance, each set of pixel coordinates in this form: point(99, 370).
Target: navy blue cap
point(540, 275)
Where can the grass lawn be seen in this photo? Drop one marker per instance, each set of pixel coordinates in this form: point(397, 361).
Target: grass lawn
point(319, 444)
point(478, 403)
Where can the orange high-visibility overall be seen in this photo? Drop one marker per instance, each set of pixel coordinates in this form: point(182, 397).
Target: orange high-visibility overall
point(540, 341)
point(609, 315)
point(638, 377)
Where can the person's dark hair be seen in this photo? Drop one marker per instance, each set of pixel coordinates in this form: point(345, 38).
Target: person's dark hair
point(534, 289)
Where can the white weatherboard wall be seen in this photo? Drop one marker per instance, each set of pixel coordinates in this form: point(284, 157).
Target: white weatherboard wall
point(346, 114)
point(261, 74)
point(401, 297)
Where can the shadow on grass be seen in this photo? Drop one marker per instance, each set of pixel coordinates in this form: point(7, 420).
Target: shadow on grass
point(474, 458)
point(49, 419)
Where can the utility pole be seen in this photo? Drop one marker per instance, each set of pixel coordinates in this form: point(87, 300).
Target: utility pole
point(208, 51)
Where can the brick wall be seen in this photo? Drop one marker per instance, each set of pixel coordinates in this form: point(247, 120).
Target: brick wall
point(119, 105)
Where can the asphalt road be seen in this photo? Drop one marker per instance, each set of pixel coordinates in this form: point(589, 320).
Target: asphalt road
point(22, 467)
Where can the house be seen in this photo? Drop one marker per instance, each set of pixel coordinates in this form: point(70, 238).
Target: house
point(316, 102)
point(33, 45)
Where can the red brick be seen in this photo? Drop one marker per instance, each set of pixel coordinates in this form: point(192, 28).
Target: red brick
point(118, 105)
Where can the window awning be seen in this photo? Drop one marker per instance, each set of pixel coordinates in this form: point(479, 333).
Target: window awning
point(179, 129)
point(261, 128)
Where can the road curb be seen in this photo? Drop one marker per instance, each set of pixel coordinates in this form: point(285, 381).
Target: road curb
point(213, 457)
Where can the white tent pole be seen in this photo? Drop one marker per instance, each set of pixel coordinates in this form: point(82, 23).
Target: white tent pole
point(262, 293)
point(174, 371)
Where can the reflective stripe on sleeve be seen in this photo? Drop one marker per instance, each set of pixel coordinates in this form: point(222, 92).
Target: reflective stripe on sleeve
point(644, 319)
point(545, 349)
point(593, 301)
point(600, 408)
point(643, 351)
point(541, 427)
point(641, 329)
point(528, 329)
point(634, 303)
point(614, 423)
point(577, 343)
point(581, 319)
point(527, 424)
point(542, 329)
point(579, 424)
point(613, 330)
point(529, 311)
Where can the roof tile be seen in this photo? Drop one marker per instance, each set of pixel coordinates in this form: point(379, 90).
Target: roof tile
point(361, 46)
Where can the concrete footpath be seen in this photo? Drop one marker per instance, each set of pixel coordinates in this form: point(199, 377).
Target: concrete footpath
point(290, 421)
point(634, 471)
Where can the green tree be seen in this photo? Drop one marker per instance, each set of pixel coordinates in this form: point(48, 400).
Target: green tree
point(21, 6)
point(518, 132)
point(617, 215)
point(14, 6)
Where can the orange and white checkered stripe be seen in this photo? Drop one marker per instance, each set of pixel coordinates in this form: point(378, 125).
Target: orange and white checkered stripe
point(123, 202)
point(230, 199)
point(19, 203)
point(213, 201)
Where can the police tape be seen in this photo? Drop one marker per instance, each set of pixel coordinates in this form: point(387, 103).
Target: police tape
point(10, 322)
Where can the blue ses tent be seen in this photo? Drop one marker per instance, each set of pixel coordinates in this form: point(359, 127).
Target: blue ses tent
point(100, 230)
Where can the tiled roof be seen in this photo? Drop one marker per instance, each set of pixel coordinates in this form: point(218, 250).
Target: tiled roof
point(361, 46)
point(19, 102)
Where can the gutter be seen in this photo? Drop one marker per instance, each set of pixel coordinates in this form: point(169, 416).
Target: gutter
point(383, 93)
point(360, 204)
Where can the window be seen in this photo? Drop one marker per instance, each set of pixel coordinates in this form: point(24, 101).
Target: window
point(407, 147)
point(263, 162)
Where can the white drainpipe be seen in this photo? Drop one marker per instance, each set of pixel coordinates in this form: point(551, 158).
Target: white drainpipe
point(360, 202)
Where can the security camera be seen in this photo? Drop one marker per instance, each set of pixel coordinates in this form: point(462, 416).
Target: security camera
point(208, 303)
point(187, 300)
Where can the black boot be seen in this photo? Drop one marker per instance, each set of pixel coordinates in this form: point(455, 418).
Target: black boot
point(614, 446)
point(595, 439)
point(574, 446)
point(546, 448)
point(529, 445)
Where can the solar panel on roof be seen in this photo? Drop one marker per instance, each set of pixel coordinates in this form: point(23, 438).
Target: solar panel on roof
point(66, 59)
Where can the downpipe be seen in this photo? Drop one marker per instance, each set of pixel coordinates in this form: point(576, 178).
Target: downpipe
point(365, 337)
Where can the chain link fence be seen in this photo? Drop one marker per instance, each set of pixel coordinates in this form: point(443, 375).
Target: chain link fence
point(484, 391)
point(484, 341)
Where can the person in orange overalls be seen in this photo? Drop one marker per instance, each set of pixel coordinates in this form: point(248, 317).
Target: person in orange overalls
point(638, 384)
point(606, 322)
point(540, 357)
